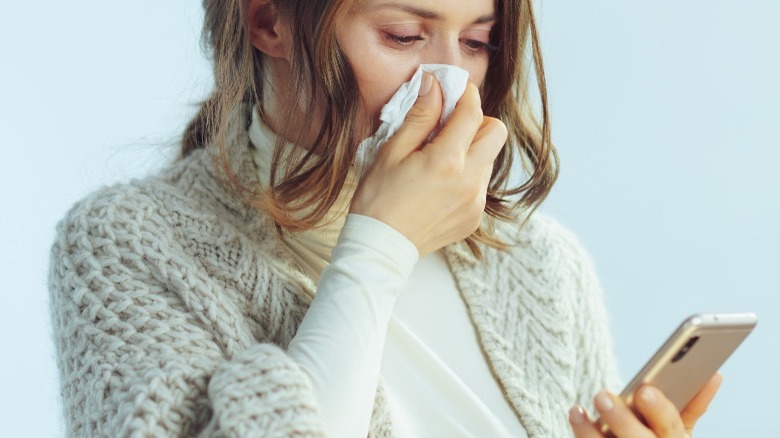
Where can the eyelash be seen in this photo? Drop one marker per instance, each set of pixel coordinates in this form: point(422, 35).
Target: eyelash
point(408, 40)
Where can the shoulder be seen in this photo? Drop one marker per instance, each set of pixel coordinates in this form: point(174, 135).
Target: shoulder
point(178, 216)
point(184, 197)
point(118, 234)
point(173, 234)
point(545, 243)
point(134, 206)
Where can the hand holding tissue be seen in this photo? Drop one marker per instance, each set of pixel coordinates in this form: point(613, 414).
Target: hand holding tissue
point(452, 80)
point(434, 195)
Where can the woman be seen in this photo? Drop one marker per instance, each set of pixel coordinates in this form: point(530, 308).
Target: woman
point(259, 287)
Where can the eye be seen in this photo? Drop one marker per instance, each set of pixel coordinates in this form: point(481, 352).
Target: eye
point(403, 40)
point(476, 46)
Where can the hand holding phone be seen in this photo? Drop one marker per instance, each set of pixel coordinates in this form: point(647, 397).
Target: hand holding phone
point(683, 365)
point(691, 355)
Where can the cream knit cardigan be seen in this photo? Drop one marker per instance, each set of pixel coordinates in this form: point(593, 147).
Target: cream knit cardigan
point(172, 304)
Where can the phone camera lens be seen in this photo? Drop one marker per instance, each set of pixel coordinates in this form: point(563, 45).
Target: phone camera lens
point(688, 345)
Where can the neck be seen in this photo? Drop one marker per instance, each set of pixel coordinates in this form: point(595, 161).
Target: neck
point(301, 127)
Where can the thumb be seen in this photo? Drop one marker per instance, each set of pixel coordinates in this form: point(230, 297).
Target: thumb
point(420, 121)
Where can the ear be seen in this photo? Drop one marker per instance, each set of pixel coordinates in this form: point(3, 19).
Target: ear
point(267, 31)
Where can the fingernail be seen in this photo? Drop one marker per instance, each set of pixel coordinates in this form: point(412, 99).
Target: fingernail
point(604, 402)
point(576, 415)
point(427, 84)
point(646, 395)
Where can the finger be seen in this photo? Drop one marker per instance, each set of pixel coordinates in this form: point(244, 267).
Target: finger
point(700, 402)
point(420, 121)
point(486, 145)
point(659, 412)
point(464, 123)
point(581, 424)
point(618, 417)
point(488, 141)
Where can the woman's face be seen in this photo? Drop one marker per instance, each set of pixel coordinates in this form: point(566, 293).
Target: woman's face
point(386, 40)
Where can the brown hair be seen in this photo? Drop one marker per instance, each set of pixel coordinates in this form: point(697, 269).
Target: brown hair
point(311, 180)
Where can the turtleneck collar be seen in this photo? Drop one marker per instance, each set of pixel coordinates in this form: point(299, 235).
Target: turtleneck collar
point(310, 248)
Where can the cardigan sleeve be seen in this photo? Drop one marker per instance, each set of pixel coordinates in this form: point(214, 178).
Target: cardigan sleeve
point(135, 362)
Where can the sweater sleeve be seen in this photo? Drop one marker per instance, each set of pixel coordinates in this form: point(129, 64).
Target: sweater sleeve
point(340, 340)
point(134, 361)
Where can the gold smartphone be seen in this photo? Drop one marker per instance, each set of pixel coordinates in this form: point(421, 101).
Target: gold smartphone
point(691, 355)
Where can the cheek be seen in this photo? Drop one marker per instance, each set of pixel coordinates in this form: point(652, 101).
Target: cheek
point(378, 72)
point(477, 69)
point(378, 81)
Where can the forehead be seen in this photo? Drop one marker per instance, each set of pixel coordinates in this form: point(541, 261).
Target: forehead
point(430, 9)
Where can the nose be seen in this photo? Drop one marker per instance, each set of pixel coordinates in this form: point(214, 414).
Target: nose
point(447, 52)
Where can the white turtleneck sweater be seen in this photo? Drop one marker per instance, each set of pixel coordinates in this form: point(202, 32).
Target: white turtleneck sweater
point(413, 325)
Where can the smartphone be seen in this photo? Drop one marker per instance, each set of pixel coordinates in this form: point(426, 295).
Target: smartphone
point(691, 355)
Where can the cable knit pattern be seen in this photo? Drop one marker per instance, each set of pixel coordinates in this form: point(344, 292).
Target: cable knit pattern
point(173, 304)
point(538, 312)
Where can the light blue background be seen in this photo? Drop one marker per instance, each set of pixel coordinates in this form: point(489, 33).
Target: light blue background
point(665, 114)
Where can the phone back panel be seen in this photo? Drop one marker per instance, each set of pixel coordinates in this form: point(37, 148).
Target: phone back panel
point(680, 379)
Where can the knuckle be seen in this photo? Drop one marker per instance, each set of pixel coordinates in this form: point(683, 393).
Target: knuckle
point(448, 166)
point(478, 192)
point(473, 92)
point(421, 114)
point(475, 222)
point(415, 112)
point(668, 428)
point(478, 116)
point(494, 132)
point(499, 129)
point(664, 418)
point(479, 204)
point(473, 103)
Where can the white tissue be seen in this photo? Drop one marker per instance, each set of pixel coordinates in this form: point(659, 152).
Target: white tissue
point(453, 82)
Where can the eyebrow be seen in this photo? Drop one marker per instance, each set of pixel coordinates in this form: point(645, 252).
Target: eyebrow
point(431, 15)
